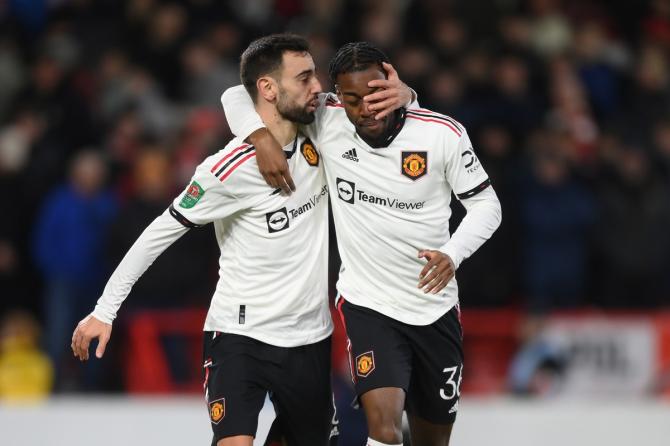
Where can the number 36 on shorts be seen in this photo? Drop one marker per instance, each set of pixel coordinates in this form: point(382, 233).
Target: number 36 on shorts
point(452, 388)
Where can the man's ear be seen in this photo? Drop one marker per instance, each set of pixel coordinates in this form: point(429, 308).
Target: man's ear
point(267, 88)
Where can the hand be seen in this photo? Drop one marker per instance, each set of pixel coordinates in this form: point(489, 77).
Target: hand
point(88, 329)
point(394, 93)
point(271, 161)
point(438, 271)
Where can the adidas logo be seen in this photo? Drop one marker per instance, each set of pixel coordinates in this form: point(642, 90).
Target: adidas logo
point(350, 155)
point(454, 408)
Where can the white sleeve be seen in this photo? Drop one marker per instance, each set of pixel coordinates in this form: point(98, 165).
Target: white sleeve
point(483, 217)
point(240, 112)
point(473, 188)
point(155, 239)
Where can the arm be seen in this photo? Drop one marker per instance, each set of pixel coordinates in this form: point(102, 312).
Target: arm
point(483, 216)
point(155, 239)
point(247, 124)
point(206, 199)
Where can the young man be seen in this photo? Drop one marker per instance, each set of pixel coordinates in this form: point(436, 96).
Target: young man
point(268, 326)
point(393, 178)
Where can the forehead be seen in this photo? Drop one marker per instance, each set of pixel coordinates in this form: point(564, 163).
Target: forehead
point(357, 81)
point(294, 62)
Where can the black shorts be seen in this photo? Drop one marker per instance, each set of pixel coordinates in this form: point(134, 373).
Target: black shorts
point(425, 361)
point(240, 371)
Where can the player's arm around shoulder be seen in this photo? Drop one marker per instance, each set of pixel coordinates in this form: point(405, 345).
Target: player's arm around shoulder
point(246, 123)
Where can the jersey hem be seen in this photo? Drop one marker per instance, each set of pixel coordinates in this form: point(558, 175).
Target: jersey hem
point(392, 314)
point(275, 340)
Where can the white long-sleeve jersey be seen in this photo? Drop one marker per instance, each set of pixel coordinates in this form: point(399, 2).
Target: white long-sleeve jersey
point(274, 248)
point(389, 203)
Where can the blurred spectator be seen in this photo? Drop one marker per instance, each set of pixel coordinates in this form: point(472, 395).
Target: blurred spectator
point(632, 238)
point(661, 144)
point(160, 46)
point(557, 212)
point(511, 103)
point(17, 140)
point(205, 74)
point(650, 98)
point(550, 32)
point(26, 374)
point(68, 240)
point(570, 113)
point(12, 75)
point(657, 25)
point(598, 63)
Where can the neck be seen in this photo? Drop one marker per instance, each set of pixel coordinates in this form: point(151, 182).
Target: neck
point(282, 129)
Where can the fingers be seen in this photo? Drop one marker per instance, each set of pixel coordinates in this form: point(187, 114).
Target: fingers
point(280, 180)
point(430, 277)
point(428, 255)
point(102, 344)
point(437, 273)
point(390, 71)
point(387, 107)
point(439, 283)
point(380, 95)
point(289, 182)
point(80, 343)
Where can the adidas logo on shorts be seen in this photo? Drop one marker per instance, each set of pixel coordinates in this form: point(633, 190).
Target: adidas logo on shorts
point(454, 408)
point(350, 155)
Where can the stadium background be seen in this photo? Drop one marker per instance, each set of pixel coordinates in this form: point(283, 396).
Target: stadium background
point(106, 107)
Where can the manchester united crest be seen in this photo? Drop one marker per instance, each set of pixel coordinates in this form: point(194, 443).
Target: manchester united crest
point(217, 410)
point(309, 152)
point(414, 164)
point(365, 364)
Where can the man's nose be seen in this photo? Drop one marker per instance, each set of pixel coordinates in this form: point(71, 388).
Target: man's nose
point(316, 86)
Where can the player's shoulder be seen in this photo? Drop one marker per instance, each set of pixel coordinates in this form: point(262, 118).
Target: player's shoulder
point(431, 121)
point(235, 163)
point(331, 104)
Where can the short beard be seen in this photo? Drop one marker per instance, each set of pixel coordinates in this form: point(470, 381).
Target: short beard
point(292, 112)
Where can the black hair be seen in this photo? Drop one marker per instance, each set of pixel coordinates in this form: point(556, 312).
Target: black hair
point(264, 55)
point(356, 56)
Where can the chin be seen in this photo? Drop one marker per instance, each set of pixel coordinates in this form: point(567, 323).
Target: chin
point(364, 132)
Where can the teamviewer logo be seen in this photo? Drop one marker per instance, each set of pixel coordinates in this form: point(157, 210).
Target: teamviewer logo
point(277, 220)
point(346, 190)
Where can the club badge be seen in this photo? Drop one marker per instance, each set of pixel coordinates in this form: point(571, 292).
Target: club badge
point(365, 364)
point(414, 164)
point(309, 152)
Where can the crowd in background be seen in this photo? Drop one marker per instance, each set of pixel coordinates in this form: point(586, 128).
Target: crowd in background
point(106, 107)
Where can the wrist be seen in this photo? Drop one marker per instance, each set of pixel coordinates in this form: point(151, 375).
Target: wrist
point(412, 98)
point(259, 136)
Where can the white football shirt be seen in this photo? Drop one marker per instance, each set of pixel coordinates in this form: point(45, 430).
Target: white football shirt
point(389, 203)
point(273, 283)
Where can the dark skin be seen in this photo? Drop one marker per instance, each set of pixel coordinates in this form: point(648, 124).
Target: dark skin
point(384, 406)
